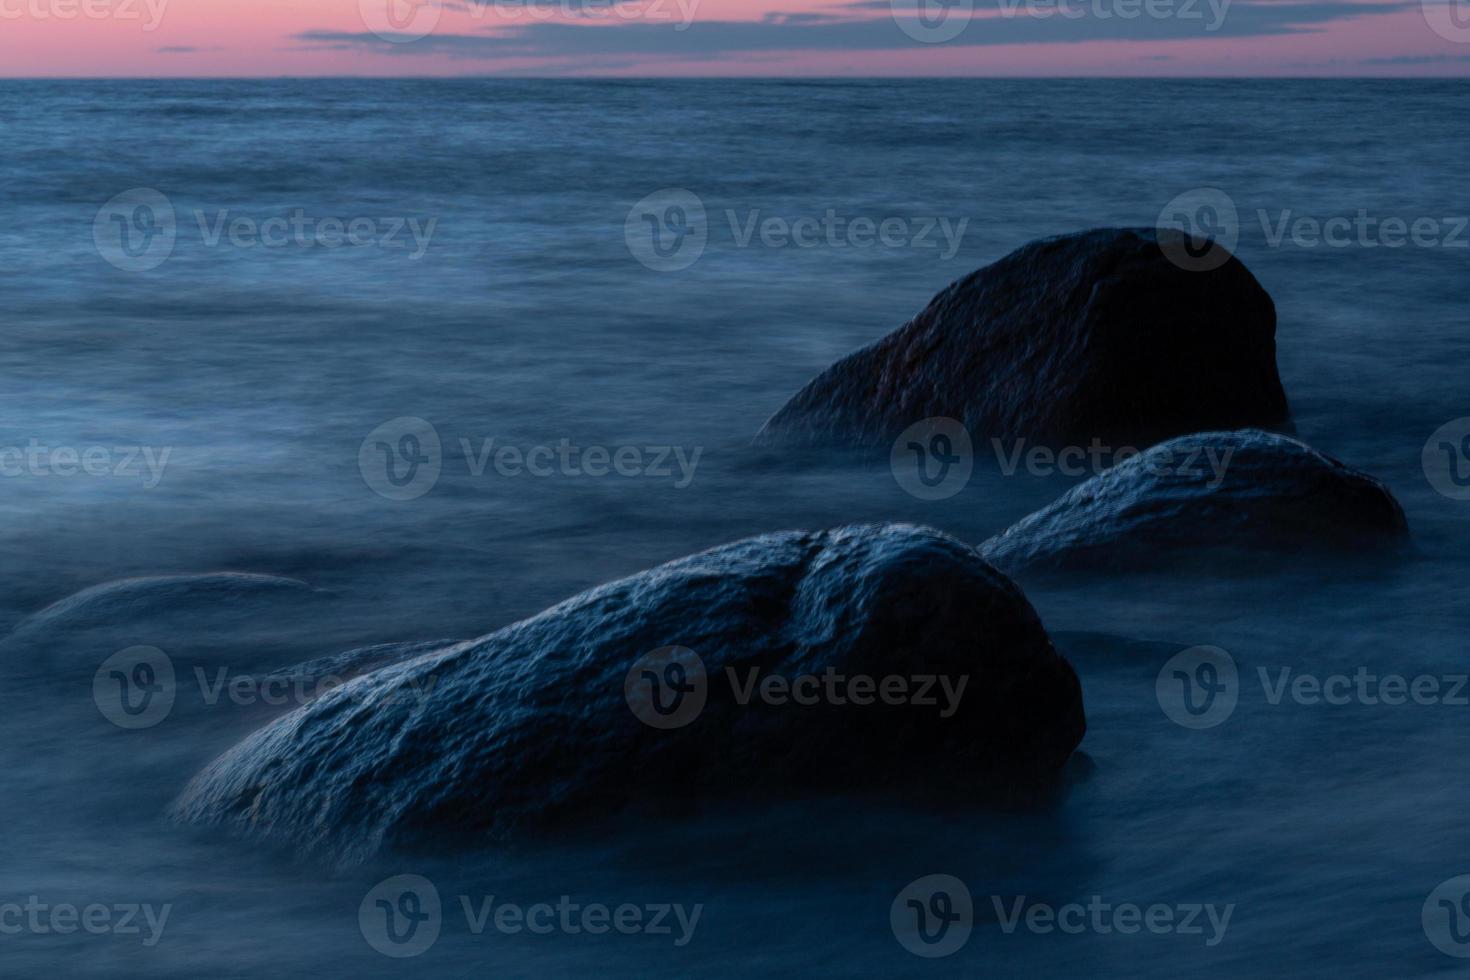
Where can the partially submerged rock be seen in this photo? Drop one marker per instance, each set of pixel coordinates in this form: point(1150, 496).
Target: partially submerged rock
point(131, 598)
point(1091, 335)
point(186, 615)
point(534, 725)
point(172, 664)
point(1248, 490)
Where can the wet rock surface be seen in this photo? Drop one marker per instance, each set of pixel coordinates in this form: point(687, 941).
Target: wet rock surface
point(1241, 491)
point(1090, 335)
point(546, 722)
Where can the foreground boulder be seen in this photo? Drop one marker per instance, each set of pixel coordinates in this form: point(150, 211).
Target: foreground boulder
point(344, 666)
point(549, 721)
point(1092, 335)
point(1249, 490)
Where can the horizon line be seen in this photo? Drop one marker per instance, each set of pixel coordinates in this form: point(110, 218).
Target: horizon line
point(741, 78)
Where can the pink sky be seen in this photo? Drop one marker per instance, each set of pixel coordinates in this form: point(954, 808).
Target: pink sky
point(731, 37)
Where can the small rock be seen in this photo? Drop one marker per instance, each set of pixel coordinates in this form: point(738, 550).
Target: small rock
point(187, 615)
point(1248, 490)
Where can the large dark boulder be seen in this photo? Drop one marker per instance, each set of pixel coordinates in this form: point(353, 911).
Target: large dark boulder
point(1092, 335)
point(534, 726)
point(1249, 491)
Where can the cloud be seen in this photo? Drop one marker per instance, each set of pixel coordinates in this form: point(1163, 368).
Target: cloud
point(851, 31)
point(1418, 59)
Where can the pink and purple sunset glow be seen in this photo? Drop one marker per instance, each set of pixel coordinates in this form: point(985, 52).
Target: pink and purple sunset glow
point(203, 38)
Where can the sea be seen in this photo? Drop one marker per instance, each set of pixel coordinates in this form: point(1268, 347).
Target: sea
point(450, 351)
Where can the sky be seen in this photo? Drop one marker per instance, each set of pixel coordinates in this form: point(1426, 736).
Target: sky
point(195, 38)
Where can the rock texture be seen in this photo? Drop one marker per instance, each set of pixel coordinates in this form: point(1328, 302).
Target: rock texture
point(1248, 490)
point(352, 663)
point(1092, 335)
point(530, 727)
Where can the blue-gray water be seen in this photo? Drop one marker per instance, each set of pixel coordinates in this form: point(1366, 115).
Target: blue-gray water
point(528, 319)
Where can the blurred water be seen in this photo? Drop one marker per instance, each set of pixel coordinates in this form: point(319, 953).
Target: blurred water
point(529, 320)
